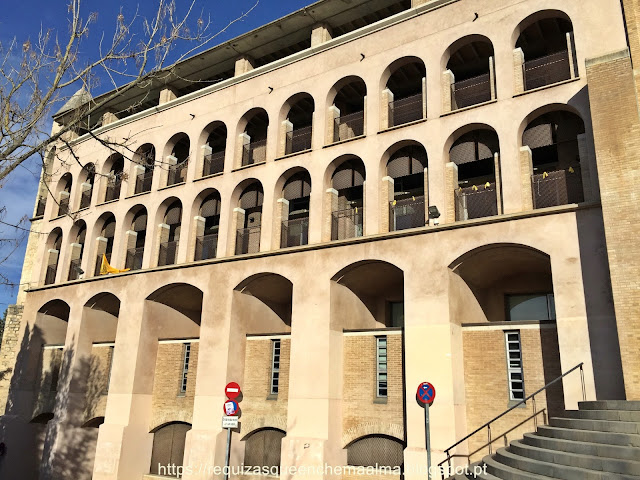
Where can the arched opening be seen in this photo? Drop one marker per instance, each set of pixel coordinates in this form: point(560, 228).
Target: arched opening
point(105, 241)
point(168, 447)
point(407, 168)
point(555, 140)
point(347, 109)
point(469, 75)
point(347, 203)
point(295, 211)
point(249, 219)
point(114, 178)
point(376, 451)
point(178, 160)
point(54, 244)
point(546, 50)
point(404, 96)
point(207, 227)
point(298, 124)
point(136, 238)
point(170, 234)
point(144, 162)
point(77, 250)
point(254, 137)
point(214, 149)
point(88, 178)
point(475, 155)
point(262, 449)
point(64, 194)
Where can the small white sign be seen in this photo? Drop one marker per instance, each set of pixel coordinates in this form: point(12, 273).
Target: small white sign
point(229, 422)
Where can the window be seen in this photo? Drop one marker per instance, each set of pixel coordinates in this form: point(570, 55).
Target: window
point(396, 314)
point(530, 307)
point(185, 368)
point(381, 367)
point(514, 365)
point(275, 366)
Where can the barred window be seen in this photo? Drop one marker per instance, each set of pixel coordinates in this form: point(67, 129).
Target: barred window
point(275, 367)
point(514, 365)
point(381, 366)
point(185, 368)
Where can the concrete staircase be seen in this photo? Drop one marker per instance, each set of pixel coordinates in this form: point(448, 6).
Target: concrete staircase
point(599, 441)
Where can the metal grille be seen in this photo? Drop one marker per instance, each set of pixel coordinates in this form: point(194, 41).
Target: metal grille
point(210, 206)
point(295, 232)
point(407, 161)
point(50, 275)
point(381, 367)
point(143, 181)
point(251, 197)
point(139, 223)
point(113, 189)
point(254, 152)
point(275, 366)
point(63, 207)
point(248, 240)
point(348, 126)
point(185, 367)
point(298, 140)
point(174, 212)
point(213, 163)
point(177, 173)
point(262, 449)
point(405, 110)
point(42, 202)
point(514, 365)
point(546, 70)
point(471, 91)
point(74, 269)
point(167, 255)
point(349, 174)
point(557, 188)
point(206, 246)
point(538, 136)
point(476, 202)
point(85, 198)
point(376, 450)
point(406, 213)
point(347, 223)
point(298, 186)
point(134, 258)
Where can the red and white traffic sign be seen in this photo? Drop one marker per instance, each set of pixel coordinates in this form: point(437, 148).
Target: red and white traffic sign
point(232, 390)
point(426, 393)
point(230, 408)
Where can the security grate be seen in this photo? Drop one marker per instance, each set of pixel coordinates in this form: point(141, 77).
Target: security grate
point(213, 163)
point(63, 207)
point(476, 202)
point(406, 213)
point(50, 275)
point(376, 450)
point(85, 198)
point(113, 189)
point(134, 258)
point(471, 91)
point(514, 365)
point(546, 70)
point(254, 152)
point(74, 269)
point(177, 173)
point(405, 110)
point(143, 181)
point(275, 366)
point(185, 367)
point(298, 140)
point(206, 246)
point(559, 187)
point(262, 449)
point(348, 126)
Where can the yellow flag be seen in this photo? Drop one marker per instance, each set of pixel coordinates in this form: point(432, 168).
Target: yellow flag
point(487, 185)
point(106, 269)
point(545, 174)
point(474, 188)
point(571, 170)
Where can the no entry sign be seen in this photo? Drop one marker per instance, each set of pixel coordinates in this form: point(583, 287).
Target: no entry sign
point(232, 390)
point(426, 393)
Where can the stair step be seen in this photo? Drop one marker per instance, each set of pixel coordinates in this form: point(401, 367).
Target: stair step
point(610, 405)
point(506, 472)
point(609, 438)
point(555, 470)
point(611, 415)
point(589, 462)
point(604, 449)
point(596, 425)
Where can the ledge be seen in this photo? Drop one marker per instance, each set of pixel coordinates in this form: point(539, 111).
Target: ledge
point(345, 141)
point(470, 107)
point(213, 175)
point(546, 87)
point(289, 155)
point(171, 186)
point(509, 323)
point(137, 194)
point(408, 124)
point(107, 203)
point(244, 167)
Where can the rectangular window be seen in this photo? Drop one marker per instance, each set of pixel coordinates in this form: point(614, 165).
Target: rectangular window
point(381, 367)
point(530, 307)
point(185, 368)
point(514, 365)
point(275, 366)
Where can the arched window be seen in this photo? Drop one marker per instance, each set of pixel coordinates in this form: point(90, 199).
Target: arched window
point(77, 249)
point(348, 209)
point(168, 447)
point(136, 238)
point(214, 150)
point(180, 159)
point(470, 70)
point(262, 449)
point(298, 125)
point(114, 181)
point(207, 239)
point(105, 242)
point(347, 111)
point(254, 137)
point(404, 97)
point(295, 221)
point(250, 222)
point(87, 186)
point(64, 195)
point(55, 242)
point(170, 235)
point(375, 450)
point(406, 166)
point(144, 163)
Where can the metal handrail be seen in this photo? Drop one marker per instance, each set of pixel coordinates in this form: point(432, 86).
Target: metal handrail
point(521, 402)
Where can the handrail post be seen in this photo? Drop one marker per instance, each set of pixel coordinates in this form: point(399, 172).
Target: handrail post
point(489, 438)
point(535, 417)
point(584, 391)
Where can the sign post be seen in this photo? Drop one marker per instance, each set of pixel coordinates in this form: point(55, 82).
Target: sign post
point(230, 419)
point(426, 395)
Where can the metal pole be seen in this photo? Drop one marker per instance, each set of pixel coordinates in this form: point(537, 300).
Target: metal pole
point(226, 457)
point(428, 439)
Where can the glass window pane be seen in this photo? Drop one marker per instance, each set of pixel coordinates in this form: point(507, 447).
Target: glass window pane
point(527, 307)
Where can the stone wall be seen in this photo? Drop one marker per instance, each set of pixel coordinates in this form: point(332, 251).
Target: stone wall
point(8, 351)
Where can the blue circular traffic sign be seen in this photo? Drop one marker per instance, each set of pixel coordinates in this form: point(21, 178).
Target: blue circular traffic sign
point(230, 408)
point(426, 393)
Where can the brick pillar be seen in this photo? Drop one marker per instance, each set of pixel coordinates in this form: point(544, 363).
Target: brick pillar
point(236, 223)
point(101, 248)
point(526, 172)
point(206, 150)
point(572, 65)
point(492, 77)
point(320, 34)
point(130, 238)
point(387, 98)
point(51, 259)
point(364, 116)
point(616, 129)
point(281, 214)
point(330, 205)
point(424, 97)
point(169, 161)
point(518, 72)
point(167, 94)
point(244, 64)
point(243, 139)
point(450, 186)
point(197, 230)
point(63, 196)
point(74, 254)
point(496, 166)
point(386, 197)
point(332, 114)
point(448, 101)
point(426, 199)
point(162, 236)
point(287, 127)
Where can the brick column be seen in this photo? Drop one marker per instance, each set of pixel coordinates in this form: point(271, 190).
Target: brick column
point(206, 150)
point(287, 127)
point(450, 186)
point(242, 140)
point(496, 163)
point(64, 196)
point(101, 248)
point(424, 97)
point(236, 223)
point(162, 236)
point(492, 77)
point(130, 238)
point(387, 98)
point(448, 80)
point(526, 172)
point(330, 206)
point(426, 199)
point(197, 230)
point(135, 171)
point(570, 50)
point(169, 161)
point(281, 213)
point(51, 259)
point(518, 72)
point(74, 254)
point(332, 114)
point(386, 197)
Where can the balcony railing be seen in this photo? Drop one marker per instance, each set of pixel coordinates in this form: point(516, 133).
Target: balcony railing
point(63, 206)
point(168, 253)
point(134, 258)
point(177, 173)
point(406, 213)
point(248, 240)
point(348, 126)
point(471, 91)
point(143, 181)
point(254, 152)
point(74, 269)
point(476, 202)
point(213, 163)
point(42, 203)
point(546, 70)
point(85, 198)
point(559, 187)
point(405, 110)
point(206, 246)
point(298, 140)
point(113, 190)
point(347, 223)
point(50, 275)
point(294, 232)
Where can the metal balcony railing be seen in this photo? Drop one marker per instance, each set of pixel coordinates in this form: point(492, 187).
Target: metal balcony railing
point(213, 163)
point(206, 246)
point(254, 152)
point(50, 275)
point(143, 182)
point(74, 269)
point(294, 232)
point(177, 173)
point(134, 258)
point(42, 203)
point(113, 190)
point(476, 202)
point(168, 253)
point(406, 213)
point(348, 126)
point(85, 198)
point(546, 70)
point(298, 140)
point(471, 91)
point(63, 206)
point(405, 110)
point(555, 188)
point(248, 240)
point(347, 223)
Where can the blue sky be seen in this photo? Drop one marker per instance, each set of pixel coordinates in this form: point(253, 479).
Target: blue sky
point(19, 191)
